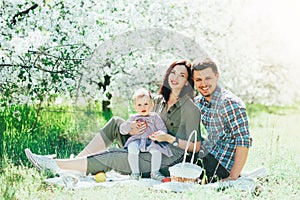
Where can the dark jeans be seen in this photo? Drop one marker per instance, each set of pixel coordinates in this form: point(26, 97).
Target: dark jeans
point(212, 170)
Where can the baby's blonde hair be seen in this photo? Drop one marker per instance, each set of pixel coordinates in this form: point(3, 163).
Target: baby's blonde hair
point(141, 93)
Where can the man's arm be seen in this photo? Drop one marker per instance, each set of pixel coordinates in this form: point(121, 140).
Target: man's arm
point(238, 123)
point(241, 154)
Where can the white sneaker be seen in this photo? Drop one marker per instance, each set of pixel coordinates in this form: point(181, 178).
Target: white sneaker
point(42, 162)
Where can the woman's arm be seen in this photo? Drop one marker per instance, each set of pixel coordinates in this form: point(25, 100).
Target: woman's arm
point(189, 121)
point(191, 116)
point(161, 136)
point(182, 144)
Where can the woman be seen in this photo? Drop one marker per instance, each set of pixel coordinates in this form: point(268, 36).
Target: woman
point(174, 105)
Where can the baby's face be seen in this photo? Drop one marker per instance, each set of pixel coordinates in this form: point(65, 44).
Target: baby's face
point(143, 105)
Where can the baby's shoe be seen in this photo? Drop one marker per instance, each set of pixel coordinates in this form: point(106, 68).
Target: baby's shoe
point(156, 175)
point(135, 176)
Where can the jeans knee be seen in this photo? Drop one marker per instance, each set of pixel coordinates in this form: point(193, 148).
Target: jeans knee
point(117, 120)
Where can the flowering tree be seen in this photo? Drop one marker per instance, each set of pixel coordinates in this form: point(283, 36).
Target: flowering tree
point(100, 49)
point(45, 44)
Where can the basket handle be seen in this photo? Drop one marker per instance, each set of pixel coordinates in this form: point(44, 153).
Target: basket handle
point(187, 146)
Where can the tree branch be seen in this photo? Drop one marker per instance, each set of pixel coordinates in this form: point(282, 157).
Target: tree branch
point(56, 57)
point(28, 67)
point(22, 13)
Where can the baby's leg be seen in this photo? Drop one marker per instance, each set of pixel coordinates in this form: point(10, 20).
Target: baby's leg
point(155, 160)
point(133, 156)
point(155, 165)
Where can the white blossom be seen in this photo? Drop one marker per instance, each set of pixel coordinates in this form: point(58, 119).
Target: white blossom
point(245, 38)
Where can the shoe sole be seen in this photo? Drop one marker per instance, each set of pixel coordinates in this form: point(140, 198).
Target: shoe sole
point(32, 160)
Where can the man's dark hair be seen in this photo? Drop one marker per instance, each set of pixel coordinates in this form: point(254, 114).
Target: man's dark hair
point(205, 63)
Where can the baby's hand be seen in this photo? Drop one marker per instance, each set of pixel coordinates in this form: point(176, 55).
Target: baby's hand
point(137, 127)
point(142, 122)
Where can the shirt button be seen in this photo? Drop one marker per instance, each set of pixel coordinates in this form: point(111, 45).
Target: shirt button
point(169, 112)
point(172, 124)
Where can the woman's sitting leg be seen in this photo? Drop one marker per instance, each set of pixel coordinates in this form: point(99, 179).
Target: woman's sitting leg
point(106, 137)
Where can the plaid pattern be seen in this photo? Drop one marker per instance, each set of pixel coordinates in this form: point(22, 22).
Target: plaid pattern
point(226, 123)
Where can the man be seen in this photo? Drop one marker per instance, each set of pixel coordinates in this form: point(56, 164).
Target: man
point(225, 120)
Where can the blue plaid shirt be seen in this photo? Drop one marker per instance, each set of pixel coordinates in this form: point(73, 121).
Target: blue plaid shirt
point(226, 123)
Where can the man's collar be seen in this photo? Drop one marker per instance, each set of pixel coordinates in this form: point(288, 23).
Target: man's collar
point(215, 96)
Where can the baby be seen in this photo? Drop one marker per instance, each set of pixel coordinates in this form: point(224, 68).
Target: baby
point(143, 104)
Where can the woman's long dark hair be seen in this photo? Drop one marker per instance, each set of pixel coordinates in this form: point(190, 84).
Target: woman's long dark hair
point(165, 89)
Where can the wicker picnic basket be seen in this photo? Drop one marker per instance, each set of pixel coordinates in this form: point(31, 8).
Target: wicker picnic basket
point(186, 172)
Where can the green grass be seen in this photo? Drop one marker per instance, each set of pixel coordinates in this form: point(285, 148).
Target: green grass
point(275, 146)
point(62, 130)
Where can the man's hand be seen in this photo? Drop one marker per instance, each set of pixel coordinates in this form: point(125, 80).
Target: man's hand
point(229, 178)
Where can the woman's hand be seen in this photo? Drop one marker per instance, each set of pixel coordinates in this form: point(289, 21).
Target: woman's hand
point(161, 136)
point(137, 127)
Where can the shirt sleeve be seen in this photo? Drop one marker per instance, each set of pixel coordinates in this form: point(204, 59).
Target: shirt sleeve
point(236, 123)
point(125, 126)
point(160, 124)
point(193, 124)
point(192, 118)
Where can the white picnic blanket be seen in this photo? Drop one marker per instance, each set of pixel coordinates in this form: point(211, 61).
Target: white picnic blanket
point(72, 180)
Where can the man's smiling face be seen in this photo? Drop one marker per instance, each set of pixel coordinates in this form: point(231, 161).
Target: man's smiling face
point(206, 82)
